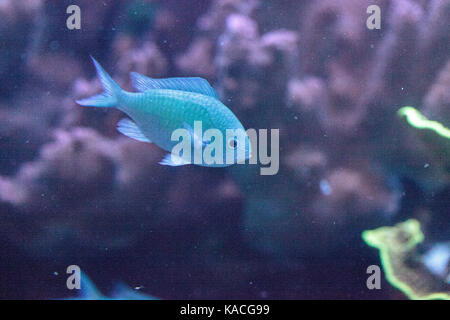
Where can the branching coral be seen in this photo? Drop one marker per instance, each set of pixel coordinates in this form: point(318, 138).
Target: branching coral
point(398, 253)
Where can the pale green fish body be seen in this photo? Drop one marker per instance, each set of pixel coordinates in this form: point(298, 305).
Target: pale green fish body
point(159, 112)
point(165, 105)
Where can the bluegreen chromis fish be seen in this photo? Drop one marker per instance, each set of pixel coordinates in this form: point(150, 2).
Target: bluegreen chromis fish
point(164, 105)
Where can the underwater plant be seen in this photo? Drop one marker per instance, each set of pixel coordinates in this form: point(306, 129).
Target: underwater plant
point(401, 262)
point(433, 138)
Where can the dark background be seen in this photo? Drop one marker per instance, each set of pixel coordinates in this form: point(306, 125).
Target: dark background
point(73, 191)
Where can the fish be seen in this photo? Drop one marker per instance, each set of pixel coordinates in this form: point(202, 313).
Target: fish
point(89, 291)
point(162, 106)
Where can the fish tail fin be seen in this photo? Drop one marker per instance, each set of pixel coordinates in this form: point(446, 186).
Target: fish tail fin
point(109, 97)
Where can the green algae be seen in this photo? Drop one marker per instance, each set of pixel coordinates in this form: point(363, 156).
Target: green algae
point(401, 263)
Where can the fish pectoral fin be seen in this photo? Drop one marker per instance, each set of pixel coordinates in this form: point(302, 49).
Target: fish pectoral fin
point(131, 130)
point(199, 143)
point(190, 84)
point(173, 161)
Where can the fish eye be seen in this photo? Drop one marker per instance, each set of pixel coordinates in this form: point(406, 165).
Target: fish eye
point(233, 143)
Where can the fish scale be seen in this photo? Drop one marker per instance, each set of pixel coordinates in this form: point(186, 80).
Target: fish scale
point(160, 112)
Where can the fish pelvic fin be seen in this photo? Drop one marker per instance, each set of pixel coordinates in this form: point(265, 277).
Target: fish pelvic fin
point(109, 97)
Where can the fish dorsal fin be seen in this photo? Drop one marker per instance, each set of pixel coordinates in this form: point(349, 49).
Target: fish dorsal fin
point(192, 84)
point(130, 129)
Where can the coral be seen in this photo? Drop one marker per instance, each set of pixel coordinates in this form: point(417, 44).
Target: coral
point(16, 50)
point(437, 100)
point(431, 163)
point(437, 260)
point(360, 82)
point(80, 164)
point(349, 192)
point(398, 248)
point(198, 59)
point(145, 59)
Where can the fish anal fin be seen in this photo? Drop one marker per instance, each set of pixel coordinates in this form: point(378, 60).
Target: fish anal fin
point(131, 130)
